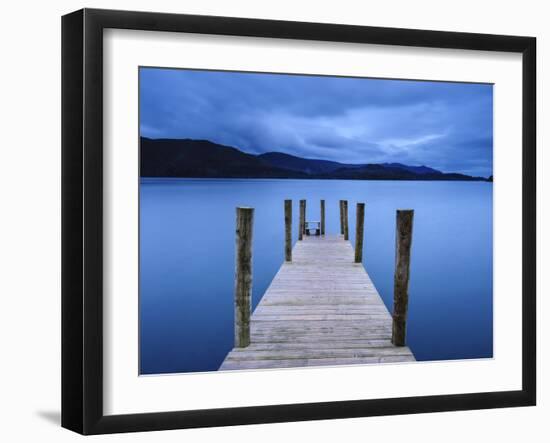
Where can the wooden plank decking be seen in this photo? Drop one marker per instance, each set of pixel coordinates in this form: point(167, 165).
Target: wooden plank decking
point(321, 309)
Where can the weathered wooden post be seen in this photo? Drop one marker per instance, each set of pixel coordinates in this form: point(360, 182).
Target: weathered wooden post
point(288, 230)
point(359, 224)
point(243, 276)
point(322, 217)
point(345, 217)
point(403, 241)
point(302, 222)
point(341, 217)
point(305, 218)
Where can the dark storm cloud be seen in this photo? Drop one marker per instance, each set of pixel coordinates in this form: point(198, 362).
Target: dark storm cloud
point(447, 126)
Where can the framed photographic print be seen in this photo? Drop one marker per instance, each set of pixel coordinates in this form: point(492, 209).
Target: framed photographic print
point(269, 221)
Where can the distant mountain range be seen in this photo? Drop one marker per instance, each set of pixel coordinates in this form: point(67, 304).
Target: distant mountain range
point(205, 159)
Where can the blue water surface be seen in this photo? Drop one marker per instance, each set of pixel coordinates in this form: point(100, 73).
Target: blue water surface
point(187, 243)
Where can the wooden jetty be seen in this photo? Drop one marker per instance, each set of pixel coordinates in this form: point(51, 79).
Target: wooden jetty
point(322, 307)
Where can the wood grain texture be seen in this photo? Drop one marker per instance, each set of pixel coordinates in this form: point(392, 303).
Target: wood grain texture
point(305, 217)
point(321, 309)
point(341, 203)
point(403, 242)
point(359, 224)
point(322, 217)
point(345, 217)
point(243, 275)
point(288, 230)
point(302, 220)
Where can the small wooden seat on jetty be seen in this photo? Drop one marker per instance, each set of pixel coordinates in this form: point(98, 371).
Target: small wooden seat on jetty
point(313, 226)
point(320, 309)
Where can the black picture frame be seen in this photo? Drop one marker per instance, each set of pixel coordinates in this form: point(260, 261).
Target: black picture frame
point(82, 220)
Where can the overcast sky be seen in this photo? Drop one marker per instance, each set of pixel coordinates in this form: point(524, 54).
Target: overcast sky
point(448, 126)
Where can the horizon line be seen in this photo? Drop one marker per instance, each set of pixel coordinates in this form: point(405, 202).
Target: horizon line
point(308, 158)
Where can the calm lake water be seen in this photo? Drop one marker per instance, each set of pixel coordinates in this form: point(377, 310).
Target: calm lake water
point(187, 242)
